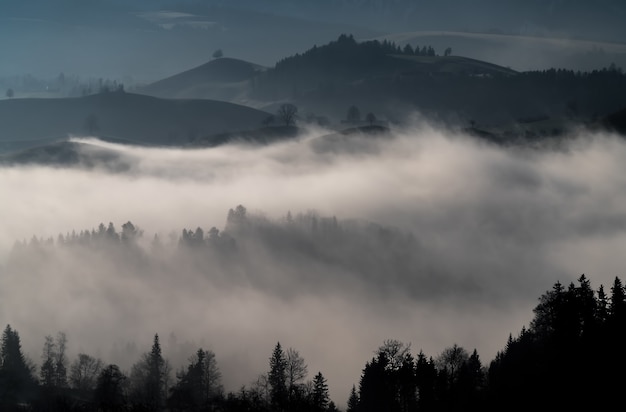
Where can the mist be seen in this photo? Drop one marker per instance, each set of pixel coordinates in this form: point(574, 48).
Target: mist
point(487, 228)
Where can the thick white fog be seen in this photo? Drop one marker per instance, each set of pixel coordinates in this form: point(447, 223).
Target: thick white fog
point(494, 228)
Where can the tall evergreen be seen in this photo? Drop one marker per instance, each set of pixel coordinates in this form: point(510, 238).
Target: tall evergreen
point(320, 396)
point(277, 379)
point(16, 378)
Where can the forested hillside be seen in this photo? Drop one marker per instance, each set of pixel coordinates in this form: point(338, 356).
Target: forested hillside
point(574, 339)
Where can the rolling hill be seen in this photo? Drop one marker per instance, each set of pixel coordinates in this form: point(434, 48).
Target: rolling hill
point(521, 52)
point(225, 79)
point(119, 116)
point(66, 153)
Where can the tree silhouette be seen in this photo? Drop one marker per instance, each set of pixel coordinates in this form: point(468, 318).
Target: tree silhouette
point(297, 371)
point(371, 118)
point(353, 400)
point(320, 393)
point(110, 392)
point(84, 372)
point(149, 378)
point(287, 112)
point(16, 377)
point(199, 387)
point(218, 54)
point(277, 379)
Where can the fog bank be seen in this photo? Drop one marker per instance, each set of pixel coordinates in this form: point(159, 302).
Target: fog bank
point(487, 230)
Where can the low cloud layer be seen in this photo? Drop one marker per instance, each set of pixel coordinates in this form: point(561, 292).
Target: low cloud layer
point(491, 229)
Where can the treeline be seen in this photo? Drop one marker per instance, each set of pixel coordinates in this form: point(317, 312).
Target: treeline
point(569, 358)
point(347, 51)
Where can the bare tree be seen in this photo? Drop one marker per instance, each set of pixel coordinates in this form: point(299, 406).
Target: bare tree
point(297, 370)
point(287, 113)
point(451, 359)
point(395, 352)
point(84, 372)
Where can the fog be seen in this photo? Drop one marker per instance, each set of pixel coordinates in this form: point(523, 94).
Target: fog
point(491, 228)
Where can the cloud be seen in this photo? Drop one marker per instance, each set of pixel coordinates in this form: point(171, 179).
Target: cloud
point(445, 239)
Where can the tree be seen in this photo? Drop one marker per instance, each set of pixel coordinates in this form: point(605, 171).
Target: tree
point(149, 378)
point(371, 118)
point(110, 392)
point(60, 366)
point(451, 359)
point(447, 52)
point(10, 93)
point(277, 379)
point(353, 115)
point(198, 386)
point(320, 396)
point(425, 378)
point(617, 305)
point(297, 370)
point(16, 376)
point(84, 372)
point(287, 112)
point(47, 370)
point(218, 54)
point(353, 400)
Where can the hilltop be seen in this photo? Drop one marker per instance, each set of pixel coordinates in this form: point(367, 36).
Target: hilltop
point(220, 79)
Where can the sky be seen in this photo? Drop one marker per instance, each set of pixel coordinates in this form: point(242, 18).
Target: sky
point(494, 228)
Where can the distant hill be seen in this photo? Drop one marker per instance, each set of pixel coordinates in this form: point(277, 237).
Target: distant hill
point(393, 81)
point(521, 52)
point(220, 79)
point(69, 154)
point(119, 116)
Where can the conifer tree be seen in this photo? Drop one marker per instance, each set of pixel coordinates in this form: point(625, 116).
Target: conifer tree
point(353, 400)
point(320, 396)
point(277, 379)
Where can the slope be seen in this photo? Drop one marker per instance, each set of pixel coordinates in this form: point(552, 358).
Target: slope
point(221, 79)
point(120, 116)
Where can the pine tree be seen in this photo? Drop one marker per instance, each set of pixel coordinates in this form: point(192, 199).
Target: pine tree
point(320, 396)
point(155, 383)
point(277, 379)
point(353, 400)
point(16, 377)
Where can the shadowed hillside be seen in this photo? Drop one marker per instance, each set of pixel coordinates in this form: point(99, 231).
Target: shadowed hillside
point(120, 116)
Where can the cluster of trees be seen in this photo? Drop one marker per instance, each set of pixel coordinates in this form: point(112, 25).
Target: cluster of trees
point(574, 343)
point(346, 50)
point(94, 386)
point(338, 61)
